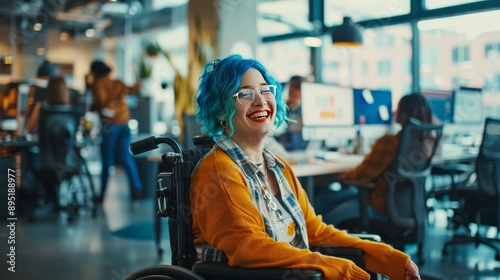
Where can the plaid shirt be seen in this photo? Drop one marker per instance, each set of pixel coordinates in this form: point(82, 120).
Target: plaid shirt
point(255, 180)
point(373, 168)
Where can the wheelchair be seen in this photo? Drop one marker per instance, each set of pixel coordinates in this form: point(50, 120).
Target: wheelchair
point(173, 203)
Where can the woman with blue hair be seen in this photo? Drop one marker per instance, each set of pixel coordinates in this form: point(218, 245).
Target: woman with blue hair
point(248, 207)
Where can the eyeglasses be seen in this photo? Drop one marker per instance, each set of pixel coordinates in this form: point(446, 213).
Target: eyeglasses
point(246, 96)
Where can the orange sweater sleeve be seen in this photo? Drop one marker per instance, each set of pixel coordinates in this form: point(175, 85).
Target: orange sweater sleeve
point(379, 257)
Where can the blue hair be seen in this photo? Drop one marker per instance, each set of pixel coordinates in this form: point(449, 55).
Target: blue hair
point(219, 81)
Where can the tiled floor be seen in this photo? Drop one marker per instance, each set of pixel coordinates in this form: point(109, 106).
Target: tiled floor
point(50, 248)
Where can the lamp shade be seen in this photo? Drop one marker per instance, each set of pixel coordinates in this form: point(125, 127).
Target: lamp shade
point(347, 35)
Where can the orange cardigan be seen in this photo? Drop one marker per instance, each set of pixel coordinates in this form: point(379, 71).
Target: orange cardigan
point(225, 218)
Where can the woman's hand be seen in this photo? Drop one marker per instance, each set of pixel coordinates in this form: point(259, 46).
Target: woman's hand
point(411, 272)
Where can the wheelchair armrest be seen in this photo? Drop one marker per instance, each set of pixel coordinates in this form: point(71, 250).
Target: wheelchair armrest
point(367, 236)
point(220, 271)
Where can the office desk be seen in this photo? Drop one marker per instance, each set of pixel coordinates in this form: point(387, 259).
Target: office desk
point(16, 149)
point(454, 158)
point(307, 170)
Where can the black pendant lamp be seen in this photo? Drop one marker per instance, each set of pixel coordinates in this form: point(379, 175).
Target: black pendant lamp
point(347, 35)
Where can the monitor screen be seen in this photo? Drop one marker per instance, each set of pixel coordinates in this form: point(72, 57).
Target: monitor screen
point(441, 104)
point(372, 106)
point(323, 107)
point(468, 106)
point(326, 105)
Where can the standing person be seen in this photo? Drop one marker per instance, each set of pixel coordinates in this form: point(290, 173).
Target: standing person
point(292, 138)
point(248, 207)
point(377, 162)
point(109, 100)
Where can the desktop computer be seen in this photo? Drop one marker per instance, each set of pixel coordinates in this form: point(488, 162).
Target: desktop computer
point(13, 103)
point(441, 102)
point(372, 106)
point(324, 108)
point(468, 106)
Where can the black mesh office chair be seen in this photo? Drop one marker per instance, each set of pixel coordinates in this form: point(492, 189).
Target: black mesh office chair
point(173, 202)
point(480, 203)
point(60, 160)
point(405, 195)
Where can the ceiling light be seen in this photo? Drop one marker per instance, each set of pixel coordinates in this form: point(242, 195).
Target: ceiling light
point(313, 42)
point(37, 26)
point(90, 33)
point(347, 35)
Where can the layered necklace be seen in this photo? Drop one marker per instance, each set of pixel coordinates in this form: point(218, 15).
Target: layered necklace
point(266, 193)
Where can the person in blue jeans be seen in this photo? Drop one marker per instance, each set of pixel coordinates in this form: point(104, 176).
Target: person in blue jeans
point(109, 101)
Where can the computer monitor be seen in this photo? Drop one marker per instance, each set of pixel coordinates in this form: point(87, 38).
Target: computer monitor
point(468, 105)
point(441, 102)
point(372, 106)
point(13, 101)
point(323, 107)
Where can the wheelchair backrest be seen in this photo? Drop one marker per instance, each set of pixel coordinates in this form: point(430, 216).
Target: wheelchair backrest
point(178, 205)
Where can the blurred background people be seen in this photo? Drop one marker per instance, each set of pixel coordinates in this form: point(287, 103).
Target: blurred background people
point(109, 99)
point(292, 138)
point(36, 95)
point(56, 93)
point(374, 167)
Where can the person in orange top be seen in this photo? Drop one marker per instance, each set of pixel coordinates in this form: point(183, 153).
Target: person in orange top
point(109, 100)
point(248, 207)
point(377, 162)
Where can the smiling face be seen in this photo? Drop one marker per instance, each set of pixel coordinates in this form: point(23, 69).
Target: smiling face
point(252, 122)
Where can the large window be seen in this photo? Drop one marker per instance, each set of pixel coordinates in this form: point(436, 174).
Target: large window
point(451, 47)
point(335, 10)
point(286, 58)
point(435, 4)
point(378, 64)
point(278, 17)
point(467, 52)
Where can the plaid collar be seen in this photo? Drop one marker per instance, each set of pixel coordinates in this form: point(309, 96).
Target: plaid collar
point(248, 167)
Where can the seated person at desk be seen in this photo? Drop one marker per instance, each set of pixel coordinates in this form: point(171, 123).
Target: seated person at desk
point(292, 138)
point(36, 95)
point(56, 93)
point(374, 166)
point(248, 207)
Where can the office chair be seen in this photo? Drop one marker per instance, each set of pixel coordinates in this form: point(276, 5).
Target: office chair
point(405, 194)
point(173, 202)
point(60, 159)
point(481, 201)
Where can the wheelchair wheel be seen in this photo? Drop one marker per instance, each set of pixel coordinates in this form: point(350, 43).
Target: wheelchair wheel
point(164, 272)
